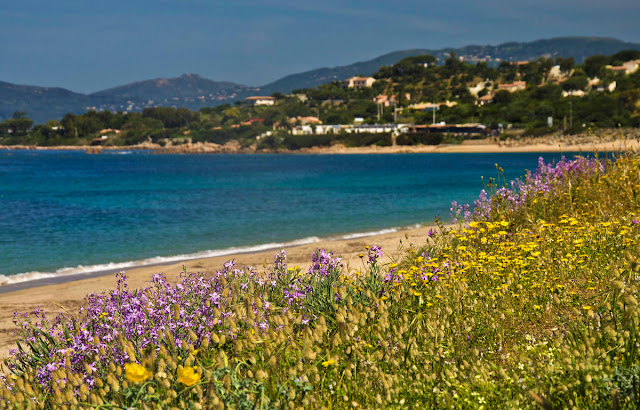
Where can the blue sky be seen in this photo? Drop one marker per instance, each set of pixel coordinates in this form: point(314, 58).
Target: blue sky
point(87, 46)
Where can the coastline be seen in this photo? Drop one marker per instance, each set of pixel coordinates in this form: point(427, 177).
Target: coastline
point(66, 293)
point(608, 141)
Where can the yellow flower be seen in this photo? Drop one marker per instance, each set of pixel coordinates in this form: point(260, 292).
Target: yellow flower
point(136, 373)
point(188, 376)
point(328, 363)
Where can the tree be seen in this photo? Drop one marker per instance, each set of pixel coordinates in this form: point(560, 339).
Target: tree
point(576, 83)
point(593, 65)
point(502, 97)
point(566, 64)
point(16, 126)
point(551, 92)
point(625, 55)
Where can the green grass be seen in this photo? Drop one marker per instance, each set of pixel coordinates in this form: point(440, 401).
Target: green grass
point(531, 306)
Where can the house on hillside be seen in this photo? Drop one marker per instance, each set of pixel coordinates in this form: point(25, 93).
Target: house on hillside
point(358, 82)
point(252, 121)
point(425, 106)
point(304, 120)
point(513, 87)
point(573, 93)
point(485, 99)
point(629, 67)
point(260, 100)
point(384, 100)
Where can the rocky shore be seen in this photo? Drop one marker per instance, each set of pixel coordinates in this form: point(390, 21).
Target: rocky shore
point(601, 140)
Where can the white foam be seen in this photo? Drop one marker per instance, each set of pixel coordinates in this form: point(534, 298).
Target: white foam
point(365, 234)
point(116, 266)
point(113, 266)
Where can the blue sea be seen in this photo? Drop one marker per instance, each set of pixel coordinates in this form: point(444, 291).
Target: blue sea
point(68, 212)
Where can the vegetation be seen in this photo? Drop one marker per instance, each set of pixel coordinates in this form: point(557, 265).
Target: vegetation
point(533, 301)
point(575, 97)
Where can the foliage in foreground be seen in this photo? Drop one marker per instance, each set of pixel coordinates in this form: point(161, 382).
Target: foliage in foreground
point(531, 303)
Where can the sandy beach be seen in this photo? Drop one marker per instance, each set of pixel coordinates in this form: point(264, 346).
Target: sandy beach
point(68, 294)
point(603, 140)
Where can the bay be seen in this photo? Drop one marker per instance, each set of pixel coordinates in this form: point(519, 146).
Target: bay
point(65, 212)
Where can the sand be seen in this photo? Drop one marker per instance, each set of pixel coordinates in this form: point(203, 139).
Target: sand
point(68, 296)
point(605, 140)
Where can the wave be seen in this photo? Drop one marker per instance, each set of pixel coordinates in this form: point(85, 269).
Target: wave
point(160, 260)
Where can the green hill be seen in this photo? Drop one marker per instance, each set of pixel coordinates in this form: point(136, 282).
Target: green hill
point(194, 92)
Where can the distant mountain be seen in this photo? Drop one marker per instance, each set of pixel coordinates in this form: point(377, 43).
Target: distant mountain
point(40, 103)
point(188, 90)
point(192, 91)
point(319, 76)
point(577, 47)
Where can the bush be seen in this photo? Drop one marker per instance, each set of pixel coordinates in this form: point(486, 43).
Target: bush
point(365, 139)
point(294, 142)
point(430, 138)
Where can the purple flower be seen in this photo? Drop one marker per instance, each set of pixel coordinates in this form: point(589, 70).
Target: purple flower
point(374, 253)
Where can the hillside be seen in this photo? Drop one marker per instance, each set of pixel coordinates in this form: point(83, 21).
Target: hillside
point(325, 75)
point(194, 92)
point(577, 47)
point(40, 103)
point(188, 90)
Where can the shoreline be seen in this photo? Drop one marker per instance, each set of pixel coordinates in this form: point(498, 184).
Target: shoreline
point(55, 295)
point(20, 281)
point(609, 142)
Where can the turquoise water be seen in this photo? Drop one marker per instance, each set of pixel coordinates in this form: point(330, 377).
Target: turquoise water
point(64, 212)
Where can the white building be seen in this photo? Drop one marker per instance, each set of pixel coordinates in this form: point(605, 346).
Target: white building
point(350, 129)
point(261, 100)
point(358, 82)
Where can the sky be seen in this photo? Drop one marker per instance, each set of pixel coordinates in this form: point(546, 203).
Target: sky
point(87, 46)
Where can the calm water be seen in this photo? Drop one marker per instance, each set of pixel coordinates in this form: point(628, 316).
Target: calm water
point(62, 209)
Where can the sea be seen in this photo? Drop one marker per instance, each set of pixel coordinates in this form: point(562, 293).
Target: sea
point(69, 212)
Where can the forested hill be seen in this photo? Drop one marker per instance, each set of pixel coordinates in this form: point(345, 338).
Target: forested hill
point(194, 92)
point(40, 103)
point(577, 47)
point(188, 91)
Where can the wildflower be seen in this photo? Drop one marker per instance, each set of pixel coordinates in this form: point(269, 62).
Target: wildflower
point(188, 376)
point(328, 363)
point(136, 373)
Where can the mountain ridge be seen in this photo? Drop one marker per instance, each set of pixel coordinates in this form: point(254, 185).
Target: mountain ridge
point(194, 91)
